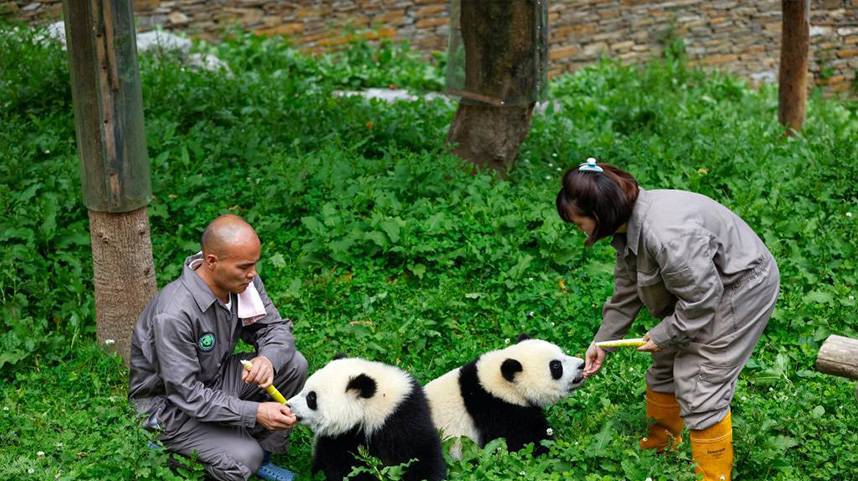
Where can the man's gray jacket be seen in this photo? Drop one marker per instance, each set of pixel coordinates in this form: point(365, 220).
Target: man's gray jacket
point(183, 338)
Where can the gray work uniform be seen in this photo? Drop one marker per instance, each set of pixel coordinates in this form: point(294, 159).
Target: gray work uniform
point(699, 268)
point(186, 380)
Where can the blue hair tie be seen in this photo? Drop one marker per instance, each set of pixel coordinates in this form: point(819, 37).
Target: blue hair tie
point(590, 166)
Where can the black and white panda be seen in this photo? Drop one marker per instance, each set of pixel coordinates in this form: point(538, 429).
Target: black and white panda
point(502, 393)
point(353, 402)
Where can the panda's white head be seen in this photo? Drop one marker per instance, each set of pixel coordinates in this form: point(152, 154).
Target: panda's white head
point(349, 393)
point(531, 372)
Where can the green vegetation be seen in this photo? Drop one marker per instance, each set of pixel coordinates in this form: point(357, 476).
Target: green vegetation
point(380, 244)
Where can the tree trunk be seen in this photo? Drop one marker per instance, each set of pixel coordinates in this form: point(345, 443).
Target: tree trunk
point(794, 60)
point(489, 136)
point(501, 75)
point(114, 165)
point(124, 274)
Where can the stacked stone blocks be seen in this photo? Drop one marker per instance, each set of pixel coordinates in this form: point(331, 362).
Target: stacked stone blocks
point(737, 36)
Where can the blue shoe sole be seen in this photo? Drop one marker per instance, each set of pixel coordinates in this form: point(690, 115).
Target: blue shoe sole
point(272, 472)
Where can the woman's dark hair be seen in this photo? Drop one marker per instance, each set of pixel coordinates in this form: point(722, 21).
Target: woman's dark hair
point(608, 197)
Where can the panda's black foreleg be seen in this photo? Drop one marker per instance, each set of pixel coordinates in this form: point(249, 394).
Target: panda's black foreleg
point(335, 457)
point(529, 434)
point(520, 428)
point(411, 438)
point(430, 465)
point(424, 464)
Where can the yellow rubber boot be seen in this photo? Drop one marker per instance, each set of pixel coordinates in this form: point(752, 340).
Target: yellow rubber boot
point(667, 429)
point(712, 450)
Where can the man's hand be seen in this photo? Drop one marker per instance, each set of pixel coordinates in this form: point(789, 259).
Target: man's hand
point(275, 416)
point(262, 373)
point(593, 360)
point(649, 346)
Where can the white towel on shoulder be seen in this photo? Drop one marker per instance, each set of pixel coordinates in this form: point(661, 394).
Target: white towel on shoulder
point(250, 307)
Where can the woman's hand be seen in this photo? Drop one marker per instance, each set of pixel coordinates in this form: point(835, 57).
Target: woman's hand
point(593, 360)
point(649, 346)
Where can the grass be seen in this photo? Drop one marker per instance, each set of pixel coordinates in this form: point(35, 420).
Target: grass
point(378, 243)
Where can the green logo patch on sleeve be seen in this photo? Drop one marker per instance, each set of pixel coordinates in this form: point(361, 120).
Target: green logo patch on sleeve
point(207, 342)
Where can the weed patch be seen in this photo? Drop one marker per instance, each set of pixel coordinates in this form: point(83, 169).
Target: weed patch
point(379, 243)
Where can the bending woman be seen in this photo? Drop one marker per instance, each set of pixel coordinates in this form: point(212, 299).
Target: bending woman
point(699, 268)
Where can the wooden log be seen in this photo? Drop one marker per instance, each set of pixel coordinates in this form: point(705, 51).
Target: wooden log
point(838, 356)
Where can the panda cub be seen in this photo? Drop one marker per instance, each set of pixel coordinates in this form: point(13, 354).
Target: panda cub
point(502, 394)
point(353, 402)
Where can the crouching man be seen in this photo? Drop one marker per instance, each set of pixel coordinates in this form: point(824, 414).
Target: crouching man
point(185, 379)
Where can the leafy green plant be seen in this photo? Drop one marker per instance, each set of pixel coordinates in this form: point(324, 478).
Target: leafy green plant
point(376, 468)
point(379, 243)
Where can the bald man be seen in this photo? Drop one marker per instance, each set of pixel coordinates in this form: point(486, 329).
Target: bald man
point(185, 379)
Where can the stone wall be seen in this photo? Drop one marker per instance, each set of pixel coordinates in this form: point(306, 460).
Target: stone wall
point(739, 36)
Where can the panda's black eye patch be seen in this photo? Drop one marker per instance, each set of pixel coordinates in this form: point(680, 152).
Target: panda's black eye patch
point(311, 400)
point(556, 369)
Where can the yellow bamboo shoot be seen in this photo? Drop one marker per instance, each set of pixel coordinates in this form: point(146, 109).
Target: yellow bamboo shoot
point(271, 390)
point(622, 343)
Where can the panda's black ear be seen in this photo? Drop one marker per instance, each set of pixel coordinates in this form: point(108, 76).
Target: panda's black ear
point(509, 368)
point(363, 385)
point(522, 337)
point(339, 355)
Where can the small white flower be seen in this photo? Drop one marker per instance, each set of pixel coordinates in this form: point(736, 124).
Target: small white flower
point(30, 470)
point(554, 154)
point(849, 214)
point(547, 177)
point(530, 279)
point(531, 314)
point(551, 164)
point(506, 341)
point(851, 298)
point(549, 432)
point(47, 151)
point(40, 454)
point(559, 169)
point(109, 342)
point(648, 479)
point(5, 408)
point(551, 324)
point(522, 473)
